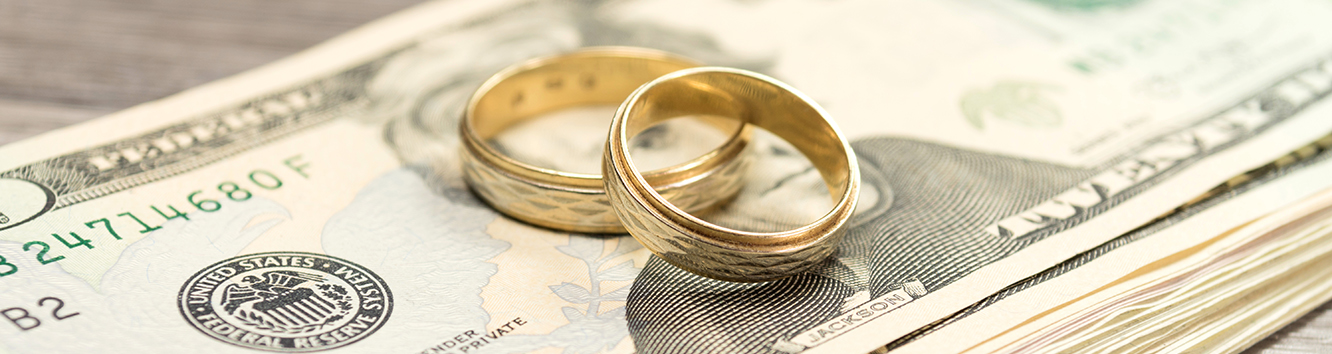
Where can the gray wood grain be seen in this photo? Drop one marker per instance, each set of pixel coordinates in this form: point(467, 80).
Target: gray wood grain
point(66, 61)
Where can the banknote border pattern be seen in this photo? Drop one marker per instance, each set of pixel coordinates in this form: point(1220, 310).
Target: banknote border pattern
point(190, 144)
point(1120, 179)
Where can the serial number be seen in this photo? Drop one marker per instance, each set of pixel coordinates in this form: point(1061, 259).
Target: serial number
point(202, 200)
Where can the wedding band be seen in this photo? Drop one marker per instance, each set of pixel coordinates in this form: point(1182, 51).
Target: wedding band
point(574, 201)
point(705, 248)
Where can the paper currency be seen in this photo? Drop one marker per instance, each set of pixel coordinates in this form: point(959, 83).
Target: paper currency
point(999, 138)
point(1219, 275)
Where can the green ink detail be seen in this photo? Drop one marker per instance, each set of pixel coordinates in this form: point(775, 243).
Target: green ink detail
point(295, 165)
point(207, 205)
point(1023, 103)
point(81, 241)
point(41, 255)
point(5, 263)
point(1082, 66)
point(104, 222)
point(1085, 5)
point(173, 210)
point(232, 189)
point(274, 182)
point(146, 228)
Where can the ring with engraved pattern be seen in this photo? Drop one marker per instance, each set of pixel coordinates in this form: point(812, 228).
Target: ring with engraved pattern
point(574, 201)
point(705, 248)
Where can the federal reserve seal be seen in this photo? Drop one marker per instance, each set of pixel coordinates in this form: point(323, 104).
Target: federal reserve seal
point(286, 301)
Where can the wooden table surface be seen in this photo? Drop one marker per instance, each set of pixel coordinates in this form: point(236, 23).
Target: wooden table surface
point(66, 61)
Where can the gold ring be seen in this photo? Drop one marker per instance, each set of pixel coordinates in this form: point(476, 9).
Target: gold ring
point(574, 201)
point(699, 246)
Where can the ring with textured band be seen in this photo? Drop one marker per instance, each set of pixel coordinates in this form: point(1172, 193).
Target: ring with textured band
point(575, 201)
point(708, 249)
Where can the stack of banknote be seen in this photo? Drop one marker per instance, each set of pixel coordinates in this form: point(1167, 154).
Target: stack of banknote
point(1224, 292)
point(1038, 176)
